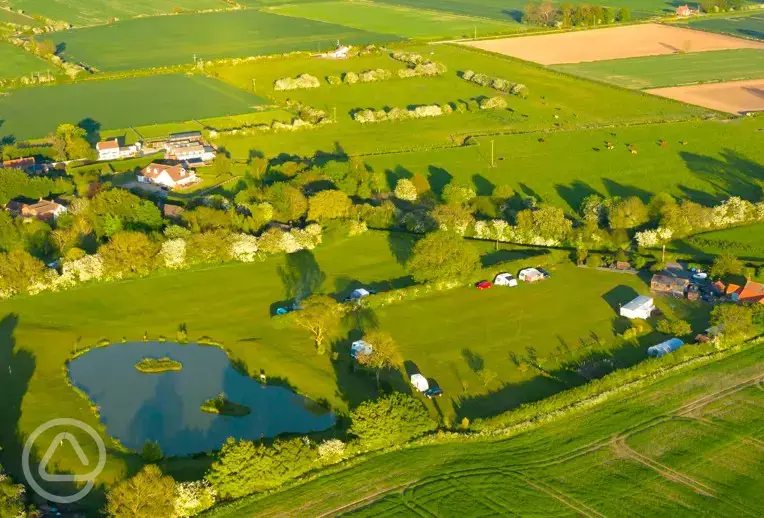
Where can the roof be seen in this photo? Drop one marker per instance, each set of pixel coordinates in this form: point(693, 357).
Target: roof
point(752, 292)
point(107, 144)
point(169, 210)
point(719, 286)
point(662, 348)
point(640, 302)
point(175, 172)
point(359, 293)
point(732, 288)
point(19, 162)
point(669, 281)
point(185, 135)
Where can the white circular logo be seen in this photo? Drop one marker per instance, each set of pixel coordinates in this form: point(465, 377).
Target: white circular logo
point(88, 478)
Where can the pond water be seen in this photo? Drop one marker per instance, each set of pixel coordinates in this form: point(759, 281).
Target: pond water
point(165, 407)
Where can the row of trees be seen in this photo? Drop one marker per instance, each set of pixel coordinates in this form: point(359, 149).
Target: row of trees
point(547, 14)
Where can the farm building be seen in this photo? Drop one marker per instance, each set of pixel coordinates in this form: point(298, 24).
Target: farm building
point(170, 176)
point(360, 348)
point(668, 285)
point(640, 307)
point(25, 164)
point(663, 348)
point(419, 382)
point(684, 11)
point(530, 275)
point(505, 279)
point(752, 292)
point(111, 150)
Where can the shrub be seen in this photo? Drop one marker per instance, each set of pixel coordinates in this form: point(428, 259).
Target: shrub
point(151, 452)
point(334, 80)
point(594, 261)
point(493, 103)
point(192, 498)
point(391, 420)
point(350, 78)
point(468, 75)
point(301, 81)
point(405, 190)
point(371, 76)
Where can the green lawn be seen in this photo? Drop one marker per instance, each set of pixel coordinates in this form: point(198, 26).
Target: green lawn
point(567, 467)
point(177, 39)
point(392, 19)
point(674, 69)
point(91, 12)
point(749, 26)
point(120, 103)
point(15, 62)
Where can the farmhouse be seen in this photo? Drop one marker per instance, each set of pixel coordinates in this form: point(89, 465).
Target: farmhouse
point(668, 285)
point(663, 348)
point(45, 210)
point(684, 11)
point(111, 150)
point(752, 292)
point(169, 176)
point(188, 147)
point(640, 307)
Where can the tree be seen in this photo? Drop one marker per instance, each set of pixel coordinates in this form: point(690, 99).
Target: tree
point(151, 452)
point(627, 212)
point(726, 264)
point(394, 419)
point(566, 14)
point(326, 205)
point(147, 495)
point(128, 253)
point(733, 320)
point(289, 204)
point(674, 327)
point(257, 167)
point(70, 143)
point(221, 164)
point(405, 190)
point(442, 256)
point(453, 218)
point(458, 194)
point(46, 48)
point(384, 352)
point(547, 225)
point(624, 14)
point(322, 316)
point(11, 497)
point(608, 15)
point(19, 271)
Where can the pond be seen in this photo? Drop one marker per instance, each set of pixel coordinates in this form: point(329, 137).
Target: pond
point(165, 407)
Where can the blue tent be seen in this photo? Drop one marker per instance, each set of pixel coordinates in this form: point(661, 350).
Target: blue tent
point(669, 346)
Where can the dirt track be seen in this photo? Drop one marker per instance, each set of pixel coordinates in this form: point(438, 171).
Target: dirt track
point(731, 97)
point(612, 43)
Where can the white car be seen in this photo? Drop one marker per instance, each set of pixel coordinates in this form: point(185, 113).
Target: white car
point(700, 276)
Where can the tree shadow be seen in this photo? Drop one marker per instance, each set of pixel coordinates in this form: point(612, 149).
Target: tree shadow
point(474, 360)
point(483, 186)
point(619, 296)
point(393, 175)
point(614, 188)
point(92, 130)
point(301, 275)
point(438, 179)
point(401, 245)
point(575, 193)
point(734, 175)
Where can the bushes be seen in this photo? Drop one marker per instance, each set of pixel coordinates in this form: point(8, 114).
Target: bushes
point(496, 83)
point(373, 76)
point(493, 103)
point(301, 81)
point(418, 66)
point(391, 420)
point(396, 114)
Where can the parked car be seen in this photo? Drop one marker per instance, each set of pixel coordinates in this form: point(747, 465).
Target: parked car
point(701, 276)
point(433, 392)
point(483, 285)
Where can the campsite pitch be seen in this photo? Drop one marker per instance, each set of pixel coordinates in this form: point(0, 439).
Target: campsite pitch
point(612, 43)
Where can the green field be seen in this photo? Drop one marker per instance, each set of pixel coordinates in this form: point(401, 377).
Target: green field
point(750, 26)
point(91, 12)
point(15, 62)
point(177, 39)
point(120, 103)
point(393, 19)
point(746, 243)
point(673, 69)
point(7, 16)
point(639, 455)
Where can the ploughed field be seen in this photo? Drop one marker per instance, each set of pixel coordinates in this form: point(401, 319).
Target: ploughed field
point(737, 97)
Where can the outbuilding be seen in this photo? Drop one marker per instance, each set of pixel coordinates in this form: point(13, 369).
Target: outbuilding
point(530, 275)
point(360, 348)
point(505, 279)
point(359, 294)
point(420, 382)
point(663, 348)
point(641, 307)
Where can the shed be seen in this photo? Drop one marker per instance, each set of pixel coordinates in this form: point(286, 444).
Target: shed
point(420, 382)
point(359, 294)
point(505, 279)
point(669, 346)
point(530, 275)
point(360, 348)
point(641, 307)
point(676, 286)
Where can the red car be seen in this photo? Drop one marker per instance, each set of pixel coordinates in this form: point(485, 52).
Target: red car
point(483, 285)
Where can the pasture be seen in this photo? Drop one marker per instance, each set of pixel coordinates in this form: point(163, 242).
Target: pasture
point(180, 39)
point(627, 41)
point(8, 16)
point(597, 461)
point(674, 69)
point(402, 21)
point(92, 12)
point(736, 97)
point(749, 26)
point(121, 103)
point(746, 242)
point(15, 62)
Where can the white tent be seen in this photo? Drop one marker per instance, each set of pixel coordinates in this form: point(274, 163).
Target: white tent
point(360, 348)
point(419, 382)
point(530, 275)
point(505, 279)
point(640, 307)
point(359, 293)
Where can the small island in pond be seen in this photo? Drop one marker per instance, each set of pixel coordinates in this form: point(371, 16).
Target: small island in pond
point(220, 405)
point(155, 365)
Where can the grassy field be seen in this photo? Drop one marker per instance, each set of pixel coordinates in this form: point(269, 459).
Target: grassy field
point(120, 103)
point(7, 16)
point(745, 242)
point(15, 62)
point(749, 26)
point(598, 461)
point(177, 39)
point(93, 12)
point(674, 69)
point(402, 21)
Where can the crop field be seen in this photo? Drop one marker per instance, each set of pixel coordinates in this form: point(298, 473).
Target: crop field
point(751, 26)
point(686, 445)
point(120, 103)
point(402, 21)
point(628, 41)
point(92, 12)
point(178, 39)
point(736, 97)
point(674, 69)
point(15, 62)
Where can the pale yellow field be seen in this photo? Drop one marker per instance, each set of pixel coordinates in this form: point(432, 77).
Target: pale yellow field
point(732, 97)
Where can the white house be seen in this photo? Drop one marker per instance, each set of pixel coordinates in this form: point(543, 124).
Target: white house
point(170, 176)
point(530, 275)
point(419, 382)
point(360, 348)
point(111, 150)
point(641, 307)
point(505, 279)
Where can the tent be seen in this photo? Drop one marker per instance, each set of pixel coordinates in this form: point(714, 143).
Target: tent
point(669, 346)
point(419, 382)
point(360, 348)
point(505, 279)
point(640, 307)
point(530, 275)
point(359, 293)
